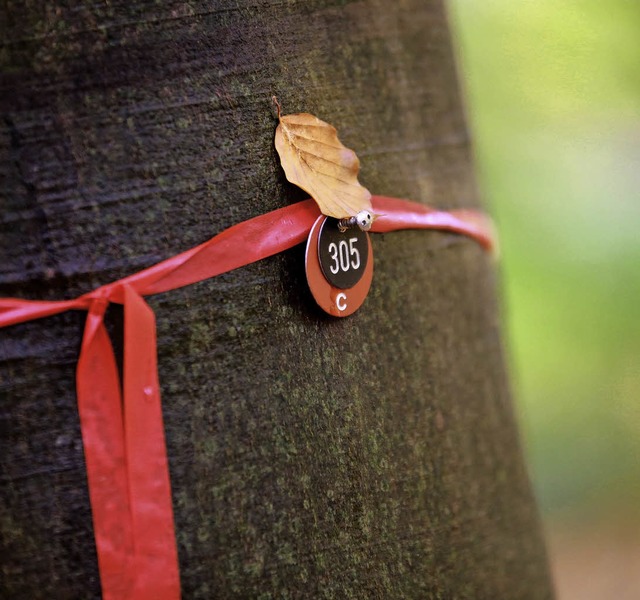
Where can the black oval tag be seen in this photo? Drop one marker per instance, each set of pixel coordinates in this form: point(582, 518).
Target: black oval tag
point(343, 256)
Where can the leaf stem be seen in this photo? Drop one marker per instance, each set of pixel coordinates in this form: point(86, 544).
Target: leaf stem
point(275, 101)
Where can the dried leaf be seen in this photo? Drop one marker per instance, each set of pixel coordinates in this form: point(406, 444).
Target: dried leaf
point(314, 159)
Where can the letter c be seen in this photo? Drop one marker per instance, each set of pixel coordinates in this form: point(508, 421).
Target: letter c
point(341, 301)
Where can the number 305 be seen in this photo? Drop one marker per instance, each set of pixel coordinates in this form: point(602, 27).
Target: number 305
point(344, 256)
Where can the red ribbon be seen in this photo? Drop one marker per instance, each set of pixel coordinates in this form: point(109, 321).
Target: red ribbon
point(123, 437)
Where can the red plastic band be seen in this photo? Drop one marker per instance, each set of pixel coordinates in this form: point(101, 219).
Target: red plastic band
point(123, 437)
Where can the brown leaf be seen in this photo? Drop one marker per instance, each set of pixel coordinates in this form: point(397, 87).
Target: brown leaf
point(314, 159)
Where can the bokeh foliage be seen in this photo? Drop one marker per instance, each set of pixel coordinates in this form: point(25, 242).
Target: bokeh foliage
point(553, 95)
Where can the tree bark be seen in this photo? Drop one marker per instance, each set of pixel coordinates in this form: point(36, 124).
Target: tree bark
point(311, 457)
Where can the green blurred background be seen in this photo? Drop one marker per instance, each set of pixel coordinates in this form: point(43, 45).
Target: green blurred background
point(553, 96)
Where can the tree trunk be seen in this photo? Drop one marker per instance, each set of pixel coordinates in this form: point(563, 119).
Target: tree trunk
point(310, 457)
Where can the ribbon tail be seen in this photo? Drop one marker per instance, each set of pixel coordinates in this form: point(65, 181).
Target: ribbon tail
point(101, 421)
point(156, 557)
